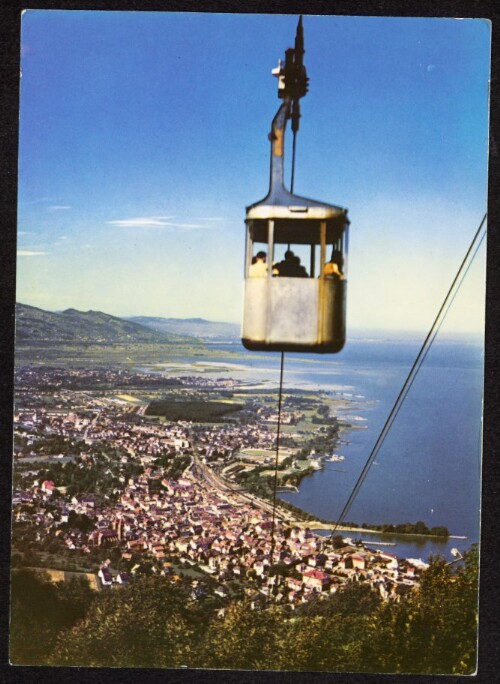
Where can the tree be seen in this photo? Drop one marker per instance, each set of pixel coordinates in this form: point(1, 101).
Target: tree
point(154, 623)
point(33, 615)
point(338, 541)
point(421, 528)
point(433, 631)
point(440, 531)
point(40, 610)
point(150, 623)
point(244, 639)
point(330, 644)
point(354, 599)
point(81, 521)
point(281, 569)
point(75, 597)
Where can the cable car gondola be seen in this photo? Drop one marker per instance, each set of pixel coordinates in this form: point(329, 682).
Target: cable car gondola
point(289, 306)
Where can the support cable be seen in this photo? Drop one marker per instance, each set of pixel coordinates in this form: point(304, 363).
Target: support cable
point(443, 311)
point(292, 178)
point(293, 160)
point(278, 429)
point(276, 462)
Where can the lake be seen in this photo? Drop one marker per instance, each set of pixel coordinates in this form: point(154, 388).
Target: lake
point(429, 466)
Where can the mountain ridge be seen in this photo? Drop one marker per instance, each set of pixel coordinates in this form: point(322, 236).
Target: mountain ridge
point(36, 325)
point(209, 331)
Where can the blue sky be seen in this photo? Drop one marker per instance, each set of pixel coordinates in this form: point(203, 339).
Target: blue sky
point(143, 137)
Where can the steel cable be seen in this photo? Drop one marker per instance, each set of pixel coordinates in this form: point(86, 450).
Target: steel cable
point(431, 336)
point(276, 462)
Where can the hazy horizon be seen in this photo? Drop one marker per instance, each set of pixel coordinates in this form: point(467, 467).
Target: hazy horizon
point(356, 332)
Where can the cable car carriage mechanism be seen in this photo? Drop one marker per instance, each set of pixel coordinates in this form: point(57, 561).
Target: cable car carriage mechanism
point(289, 305)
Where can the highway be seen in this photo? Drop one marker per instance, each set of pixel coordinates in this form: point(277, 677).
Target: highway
point(221, 486)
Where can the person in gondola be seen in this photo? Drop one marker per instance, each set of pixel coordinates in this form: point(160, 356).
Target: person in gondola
point(290, 266)
point(333, 268)
point(258, 267)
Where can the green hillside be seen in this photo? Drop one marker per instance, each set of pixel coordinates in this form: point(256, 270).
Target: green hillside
point(36, 326)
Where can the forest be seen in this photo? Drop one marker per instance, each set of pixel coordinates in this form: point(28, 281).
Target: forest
point(154, 622)
point(410, 528)
point(195, 410)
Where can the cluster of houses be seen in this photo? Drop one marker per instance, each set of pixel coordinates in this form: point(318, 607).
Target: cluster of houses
point(141, 438)
point(223, 534)
point(30, 377)
point(271, 416)
point(207, 382)
point(156, 520)
point(219, 443)
point(105, 426)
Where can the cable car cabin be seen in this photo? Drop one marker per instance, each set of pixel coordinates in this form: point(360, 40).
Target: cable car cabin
point(292, 305)
point(296, 250)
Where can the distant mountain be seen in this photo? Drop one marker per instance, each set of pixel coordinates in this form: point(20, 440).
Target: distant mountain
point(35, 325)
point(209, 331)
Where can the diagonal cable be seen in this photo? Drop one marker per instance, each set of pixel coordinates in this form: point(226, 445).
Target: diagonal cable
point(448, 300)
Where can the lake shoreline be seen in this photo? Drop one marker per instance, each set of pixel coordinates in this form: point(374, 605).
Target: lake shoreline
point(318, 525)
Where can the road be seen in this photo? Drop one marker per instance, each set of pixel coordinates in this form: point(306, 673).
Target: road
point(221, 486)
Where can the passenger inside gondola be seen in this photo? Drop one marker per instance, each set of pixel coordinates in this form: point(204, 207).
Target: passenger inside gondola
point(290, 266)
point(333, 268)
point(258, 267)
